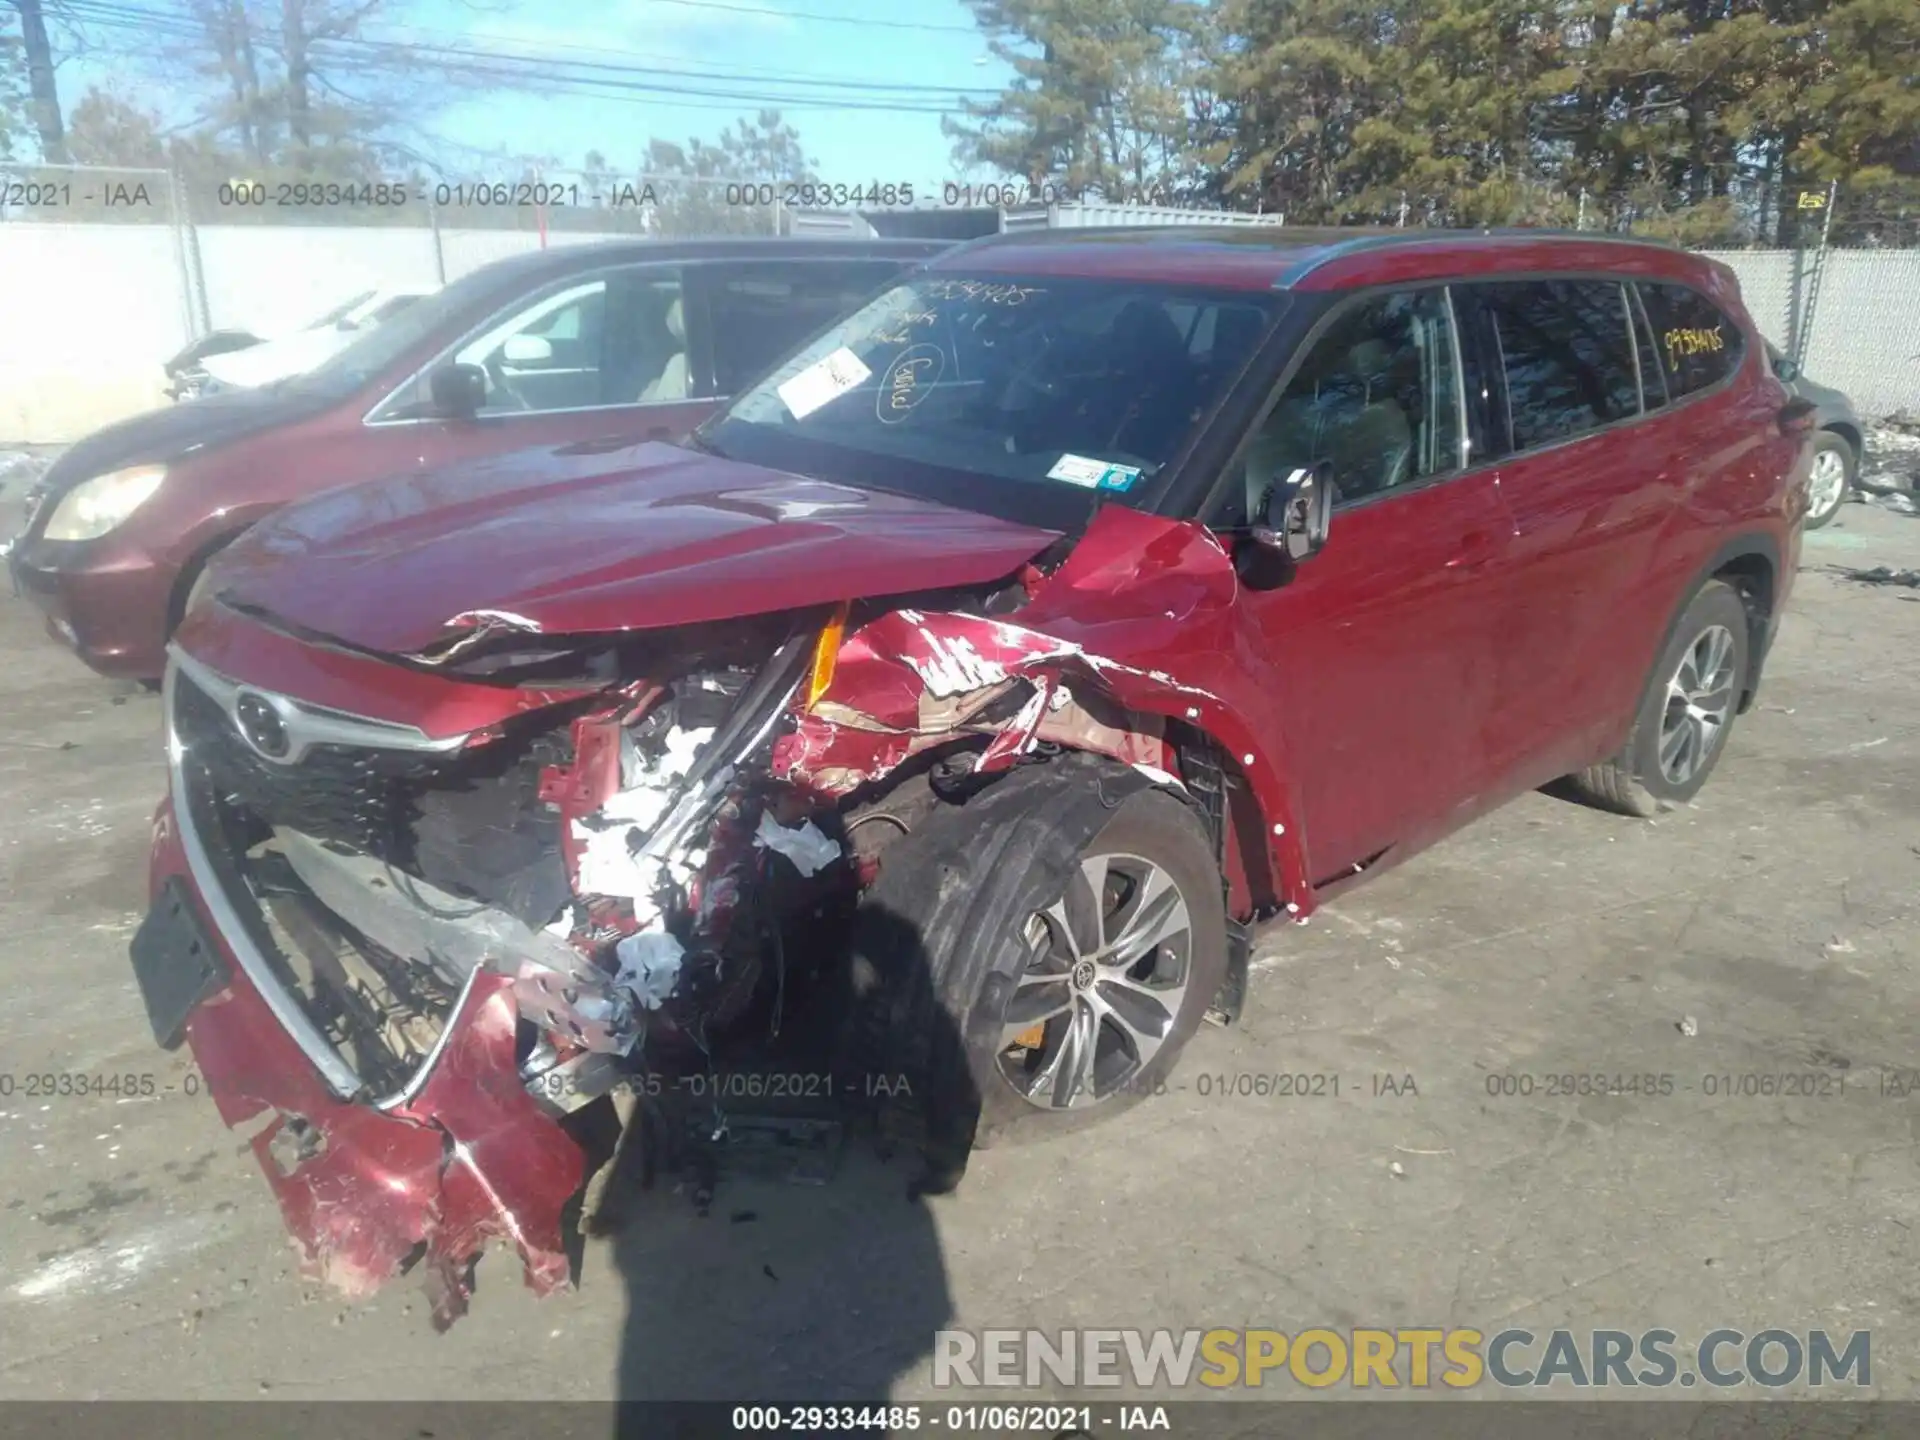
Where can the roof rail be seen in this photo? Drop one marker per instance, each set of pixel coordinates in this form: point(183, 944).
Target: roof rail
point(1340, 249)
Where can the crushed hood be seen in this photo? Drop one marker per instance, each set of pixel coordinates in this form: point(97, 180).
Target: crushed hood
point(587, 539)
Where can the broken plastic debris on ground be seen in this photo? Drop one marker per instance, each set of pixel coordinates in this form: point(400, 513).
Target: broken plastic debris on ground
point(1892, 459)
point(1883, 575)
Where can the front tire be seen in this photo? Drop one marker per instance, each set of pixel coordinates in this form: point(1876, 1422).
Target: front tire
point(1834, 468)
point(1680, 730)
point(1043, 953)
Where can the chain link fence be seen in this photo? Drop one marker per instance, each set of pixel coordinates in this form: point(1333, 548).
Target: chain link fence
point(125, 266)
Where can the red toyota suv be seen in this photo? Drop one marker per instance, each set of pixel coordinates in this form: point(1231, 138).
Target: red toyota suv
point(599, 343)
point(974, 684)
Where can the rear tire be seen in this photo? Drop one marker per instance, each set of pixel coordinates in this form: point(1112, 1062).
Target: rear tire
point(1834, 469)
point(1681, 728)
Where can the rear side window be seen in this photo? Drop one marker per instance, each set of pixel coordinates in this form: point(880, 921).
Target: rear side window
point(1567, 354)
point(761, 312)
point(1698, 346)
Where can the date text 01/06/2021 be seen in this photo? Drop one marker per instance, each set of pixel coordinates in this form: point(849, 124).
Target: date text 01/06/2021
point(1050, 1420)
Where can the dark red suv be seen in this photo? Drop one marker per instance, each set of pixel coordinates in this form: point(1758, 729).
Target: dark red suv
point(607, 342)
point(973, 685)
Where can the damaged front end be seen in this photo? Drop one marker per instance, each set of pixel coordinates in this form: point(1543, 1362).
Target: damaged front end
point(444, 945)
point(593, 858)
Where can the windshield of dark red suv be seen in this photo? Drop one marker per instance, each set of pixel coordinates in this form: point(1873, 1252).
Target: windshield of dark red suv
point(1018, 395)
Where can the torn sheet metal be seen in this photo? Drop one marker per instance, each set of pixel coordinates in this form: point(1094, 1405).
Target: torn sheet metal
point(882, 709)
point(1139, 626)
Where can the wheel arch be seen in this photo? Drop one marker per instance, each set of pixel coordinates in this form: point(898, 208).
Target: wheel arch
point(1750, 563)
point(196, 563)
point(1851, 433)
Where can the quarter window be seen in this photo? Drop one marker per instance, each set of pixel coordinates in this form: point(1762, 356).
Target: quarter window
point(1567, 354)
point(1377, 397)
point(1697, 345)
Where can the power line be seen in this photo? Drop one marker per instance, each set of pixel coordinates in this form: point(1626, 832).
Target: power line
point(606, 80)
point(828, 19)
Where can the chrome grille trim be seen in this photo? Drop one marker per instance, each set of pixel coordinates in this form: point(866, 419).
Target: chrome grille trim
point(340, 1077)
point(307, 725)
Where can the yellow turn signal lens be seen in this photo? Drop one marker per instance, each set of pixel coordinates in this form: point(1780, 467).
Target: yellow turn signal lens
point(826, 653)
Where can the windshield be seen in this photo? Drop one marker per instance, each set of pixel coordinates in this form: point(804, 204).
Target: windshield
point(1008, 395)
point(340, 312)
point(377, 347)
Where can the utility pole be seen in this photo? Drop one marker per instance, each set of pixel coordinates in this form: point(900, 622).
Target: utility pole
point(40, 82)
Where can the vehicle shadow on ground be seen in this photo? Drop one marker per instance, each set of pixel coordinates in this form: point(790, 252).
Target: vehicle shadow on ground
point(785, 1291)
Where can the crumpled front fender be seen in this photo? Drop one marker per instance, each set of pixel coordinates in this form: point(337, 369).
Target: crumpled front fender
point(1142, 625)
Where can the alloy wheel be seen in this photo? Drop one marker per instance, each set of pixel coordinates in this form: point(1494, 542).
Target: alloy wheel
point(1827, 486)
point(1699, 702)
point(1107, 969)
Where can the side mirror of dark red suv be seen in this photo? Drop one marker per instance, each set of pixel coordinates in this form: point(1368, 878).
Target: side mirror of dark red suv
point(1796, 416)
point(1299, 513)
point(458, 391)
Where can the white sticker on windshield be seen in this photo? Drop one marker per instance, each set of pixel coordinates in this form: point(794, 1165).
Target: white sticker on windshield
point(824, 380)
point(1093, 474)
point(1078, 470)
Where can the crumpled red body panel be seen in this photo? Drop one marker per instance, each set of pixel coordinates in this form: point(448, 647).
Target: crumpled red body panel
point(1139, 626)
point(468, 1160)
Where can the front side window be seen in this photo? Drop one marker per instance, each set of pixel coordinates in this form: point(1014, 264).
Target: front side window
point(600, 340)
point(760, 312)
point(1567, 354)
point(1016, 395)
point(1697, 345)
point(1376, 397)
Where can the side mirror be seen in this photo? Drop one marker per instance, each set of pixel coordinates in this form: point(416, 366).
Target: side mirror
point(1299, 513)
point(1785, 369)
point(1797, 416)
point(527, 350)
point(458, 391)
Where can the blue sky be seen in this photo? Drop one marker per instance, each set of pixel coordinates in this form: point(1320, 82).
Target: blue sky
point(859, 48)
point(761, 38)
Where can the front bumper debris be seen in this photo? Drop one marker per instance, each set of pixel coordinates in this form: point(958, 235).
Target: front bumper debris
point(464, 1159)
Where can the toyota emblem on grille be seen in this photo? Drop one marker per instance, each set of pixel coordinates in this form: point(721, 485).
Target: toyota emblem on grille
point(260, 725)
